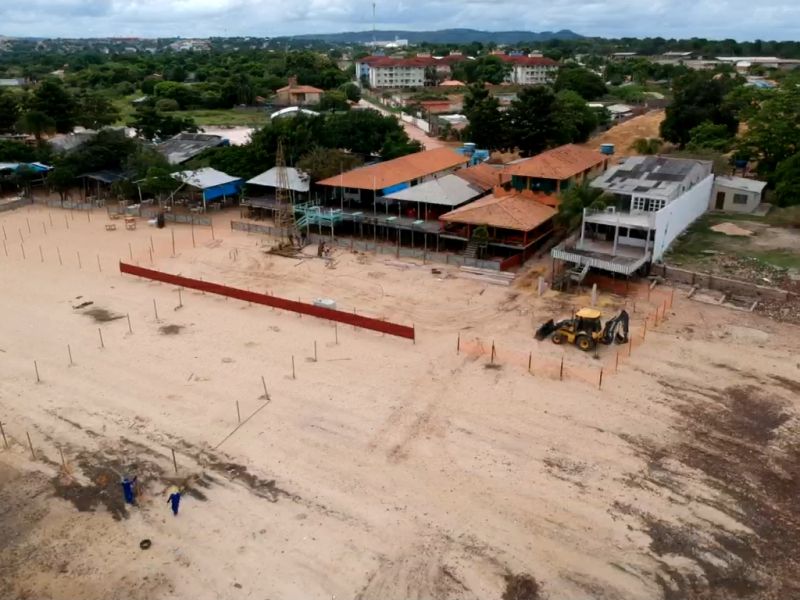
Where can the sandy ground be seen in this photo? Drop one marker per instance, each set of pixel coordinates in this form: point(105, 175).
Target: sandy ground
point(384, 469)
point(624, 134)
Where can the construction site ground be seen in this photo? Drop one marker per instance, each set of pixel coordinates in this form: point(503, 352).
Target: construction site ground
point(369, 467)
point(626, 133)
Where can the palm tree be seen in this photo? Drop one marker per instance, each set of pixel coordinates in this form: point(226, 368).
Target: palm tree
point(575, 199)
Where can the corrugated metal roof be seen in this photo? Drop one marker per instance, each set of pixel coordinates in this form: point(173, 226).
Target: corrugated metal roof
point(741, 183)
point(204, 178)
point(297, 180)
point(448, 190)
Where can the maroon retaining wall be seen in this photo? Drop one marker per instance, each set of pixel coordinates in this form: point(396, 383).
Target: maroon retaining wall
point(320, 312)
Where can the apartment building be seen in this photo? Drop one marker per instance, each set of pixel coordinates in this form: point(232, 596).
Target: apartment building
point(388, 72)
point(533, 69)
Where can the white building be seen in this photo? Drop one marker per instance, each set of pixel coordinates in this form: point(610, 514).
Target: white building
point(386, 72)
point(530, 70)
point(737, 194)
point(657, 198)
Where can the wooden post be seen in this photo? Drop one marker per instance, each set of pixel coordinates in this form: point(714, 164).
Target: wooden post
point(41, 254)
point(172, 231)
point(22, 247)
point(644, 331)
point(152, 247)
point(336, 333)
point(664, 311)
point(21, 239)
point(180, 299)
point(3, 433)
point(492, 359)
point(99, 268)
point(458, 343)
point(28, 221)
point(50, 216)
point(69, 352)
point(630, 346)
point(80, 266)
point(238, 414)
point(5, 249)
point(5, 235)
point(561, 370)
point(128, 316)
point(193, 244)
point(66, 220)
point(150, 250)
point(212, 229)
point(44, 228)
point(30, 443)
point(266, 393)
point(63, 462)
point(315, 350)
point(130, 251)
point(616, 363)
point(155, 309)
point(293, 374)
point(600, 383)
point(100, 332)
point(174, 461)
point(58, 251)
point(36, 368)
point(672, 297)
point(530, 359)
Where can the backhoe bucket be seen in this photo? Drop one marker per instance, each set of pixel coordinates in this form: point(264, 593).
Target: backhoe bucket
point(545, 330)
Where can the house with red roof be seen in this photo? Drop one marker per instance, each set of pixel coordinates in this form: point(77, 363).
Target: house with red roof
point(295, 94)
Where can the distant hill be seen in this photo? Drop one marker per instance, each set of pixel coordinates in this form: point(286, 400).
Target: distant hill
point(442, 36)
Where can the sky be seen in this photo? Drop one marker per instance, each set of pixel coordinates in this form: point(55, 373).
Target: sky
point(714, 19)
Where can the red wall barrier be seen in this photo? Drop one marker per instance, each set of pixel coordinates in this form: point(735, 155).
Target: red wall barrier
point(320, 312)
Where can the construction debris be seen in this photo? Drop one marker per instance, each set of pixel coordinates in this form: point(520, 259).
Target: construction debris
point(487, 276)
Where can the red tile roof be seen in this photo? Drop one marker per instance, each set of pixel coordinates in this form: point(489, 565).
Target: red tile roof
point(484, 175)
point(559, 163)
point(505, 210)
point(300, 89)
point(528, 60)
point(398, 170)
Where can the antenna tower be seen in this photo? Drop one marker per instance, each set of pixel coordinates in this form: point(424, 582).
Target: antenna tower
point(284, 215)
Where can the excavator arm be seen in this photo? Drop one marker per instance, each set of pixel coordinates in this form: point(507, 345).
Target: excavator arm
point(616, 329)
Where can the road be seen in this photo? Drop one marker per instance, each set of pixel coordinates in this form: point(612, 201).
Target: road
point(415, 133)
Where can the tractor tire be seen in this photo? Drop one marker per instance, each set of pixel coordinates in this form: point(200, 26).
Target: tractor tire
point(584, 342)
point(559, 338)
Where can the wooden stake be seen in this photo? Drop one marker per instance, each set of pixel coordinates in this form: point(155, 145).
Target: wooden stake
point(66, 220)
point(36, 368)
point(5, 236)
point(28, 221)
point(293, 374)
point(58, 251)
point(616, 363)
point(22, 246)
point(238, 414)
point(155, 309)
point(44, 228)
point(266, 394)
point(561, 371)
point(4, 248)
point(672, 297)
point(193, 244)
point(600, 383)
point(336, 333)
point(172, 231)
point(492, 359)
point(41, 254)
point(630, 346)
point(69, 352)
point(100, 332)
point(180, 299)
point(152, 247)
point(3, 433)
point(174, 461)
point(80, 266)
point(63, 462)
point(151, 255)
point(130, 251)
point(212, 229)
point(99, 268)
point(21, 239)
point(530, 359)
point(315, 350)
point(30, 443)
point(129, 323)
point(644, 331)
point(50, 216)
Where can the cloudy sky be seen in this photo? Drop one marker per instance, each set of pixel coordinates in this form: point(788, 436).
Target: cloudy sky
point(739, 19)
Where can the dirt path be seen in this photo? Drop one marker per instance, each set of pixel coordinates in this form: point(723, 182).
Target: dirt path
point(624, 134)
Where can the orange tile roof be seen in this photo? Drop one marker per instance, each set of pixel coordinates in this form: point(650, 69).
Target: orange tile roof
point(559, 163)
point(398, 170)
point(514, 210)
point(484, 175)
point(300, 89)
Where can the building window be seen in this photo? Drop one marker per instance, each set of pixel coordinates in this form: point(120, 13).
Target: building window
point(740, 198)
point(656, 205)
point(638, 204)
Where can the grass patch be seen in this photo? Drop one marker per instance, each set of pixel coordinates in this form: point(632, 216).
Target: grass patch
point(226, 118)
point(784, 259)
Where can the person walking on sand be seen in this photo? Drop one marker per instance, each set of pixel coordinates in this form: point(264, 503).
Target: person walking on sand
point(174, 498)
point(129, 490)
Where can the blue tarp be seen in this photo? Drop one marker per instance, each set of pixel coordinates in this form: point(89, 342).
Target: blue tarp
point(226, 189)
point(395, 188)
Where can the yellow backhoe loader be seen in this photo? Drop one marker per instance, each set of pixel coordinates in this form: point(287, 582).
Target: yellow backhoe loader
point(585, 330)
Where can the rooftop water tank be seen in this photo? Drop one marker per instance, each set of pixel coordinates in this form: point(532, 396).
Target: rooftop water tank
point(607, 149)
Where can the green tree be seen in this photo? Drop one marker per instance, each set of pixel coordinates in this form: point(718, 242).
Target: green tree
point(159, 183)
point(647, 145)
point(62, 179)
point(95, 111)
point(332, 101)
point(485, 69)
point(487, 126)
point(321, 163)
point(773, 133)
point(151, 124)
point(533, 127)
point(397, 144)
point(574, 118)
point(698, 97)
point(787, 181)
point(36, 123)
point(52, 99)
point(352, 91)
point(575, 199)
point(709, 135)
point(584, 82)
point(13, 151)
point(9, 111)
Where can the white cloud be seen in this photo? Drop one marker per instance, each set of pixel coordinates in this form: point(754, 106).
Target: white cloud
point(740, 19)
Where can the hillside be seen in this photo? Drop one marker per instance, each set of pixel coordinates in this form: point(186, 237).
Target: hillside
point(442, 36)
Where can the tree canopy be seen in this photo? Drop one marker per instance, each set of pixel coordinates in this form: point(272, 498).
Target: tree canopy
point(585, 83)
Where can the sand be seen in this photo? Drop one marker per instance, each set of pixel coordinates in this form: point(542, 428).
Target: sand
point(731, 229)
point(385, 469)
point(626, 133)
